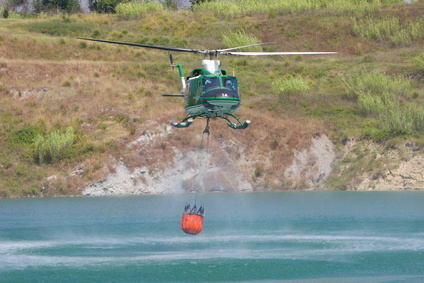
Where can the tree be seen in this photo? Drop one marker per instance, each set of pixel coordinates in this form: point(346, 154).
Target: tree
point(197, 2)
point(105, 6)
point(69, 6)
point(171, 4)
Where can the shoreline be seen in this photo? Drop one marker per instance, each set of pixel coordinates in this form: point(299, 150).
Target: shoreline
point(233, 192)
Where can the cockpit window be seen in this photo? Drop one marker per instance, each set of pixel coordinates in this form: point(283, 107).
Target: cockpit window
point(230, 83)
point(210, 83)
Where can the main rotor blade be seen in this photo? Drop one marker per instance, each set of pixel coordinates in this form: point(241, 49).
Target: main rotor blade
point(212, 52)
point(147, 46)
point(274, 53)
point(233, 48)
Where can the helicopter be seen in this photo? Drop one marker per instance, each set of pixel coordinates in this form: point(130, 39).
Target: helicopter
point(209, 91)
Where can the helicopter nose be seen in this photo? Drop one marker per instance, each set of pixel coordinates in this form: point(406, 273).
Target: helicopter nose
point(218, 93)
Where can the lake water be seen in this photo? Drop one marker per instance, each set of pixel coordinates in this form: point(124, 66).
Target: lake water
point(246, 237)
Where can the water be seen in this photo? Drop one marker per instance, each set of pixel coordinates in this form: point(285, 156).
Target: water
point(247, 237)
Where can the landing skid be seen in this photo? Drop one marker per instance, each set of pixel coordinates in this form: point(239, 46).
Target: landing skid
point(186, 122)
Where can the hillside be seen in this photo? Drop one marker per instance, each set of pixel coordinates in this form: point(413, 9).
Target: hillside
point(357, 117)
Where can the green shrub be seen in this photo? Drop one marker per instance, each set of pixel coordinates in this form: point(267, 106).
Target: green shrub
point(6, 163)
point(378, 96)
point(373, 104)
point(24, 136)
point(419, 118)
point(376, 83)
point(134, 10)
point(51, 148)
point(6, 13)
point(15, 15)
point(389, 29)
point(382, 29)
point(256, 6)
point(420, 62)
point(258, 172)
point(105, 6)
point(274, 7)
point(291, 85)
point(68, 6)
point(357, 7)
point(60, 28)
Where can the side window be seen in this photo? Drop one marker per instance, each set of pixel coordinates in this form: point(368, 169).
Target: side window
point(191, 87)
point(210, 83)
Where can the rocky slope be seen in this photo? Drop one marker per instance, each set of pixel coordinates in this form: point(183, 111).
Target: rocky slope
point(211, 167)
point(384, 167)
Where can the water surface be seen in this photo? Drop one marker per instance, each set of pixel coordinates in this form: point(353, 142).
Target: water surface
point(247, 237)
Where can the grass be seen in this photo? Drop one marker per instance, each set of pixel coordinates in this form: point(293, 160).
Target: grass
point(135, 10)
point(389, 29)
point(420, 62)
point(275, 7)
point(58, 27)
point(383, 97)
point(110, 95)
point(240, 38)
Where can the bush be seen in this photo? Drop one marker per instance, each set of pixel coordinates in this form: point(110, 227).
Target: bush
point(69, 6)
point(274, 7)
point(51, 148)
point(390, 30)
point(420, 62)
point(24, 136)
point(134, 10)
point(198, 2)
point(6, 13)
point(291, 85)
point(419, 118)
point(60, 28)
point(105, 6)
point(376, 83)
point(255, 6)
point(359, 8)
point(378, 95)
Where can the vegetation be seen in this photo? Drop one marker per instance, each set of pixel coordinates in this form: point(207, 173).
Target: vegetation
point(383, 97)
point(240, 38)
point(134, 10)
point(51, 148)
point(389, 29)
point(67, 104)
point(291, 86)
point(105, 6)
point(276, 7)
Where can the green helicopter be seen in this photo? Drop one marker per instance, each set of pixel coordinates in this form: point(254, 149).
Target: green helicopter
point(208, 91)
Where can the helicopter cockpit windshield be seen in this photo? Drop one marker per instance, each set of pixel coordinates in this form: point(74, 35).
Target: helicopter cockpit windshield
point(230, 82)
point(210, 83)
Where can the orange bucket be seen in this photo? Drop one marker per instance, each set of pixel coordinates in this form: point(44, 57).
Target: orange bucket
point(191, 223)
